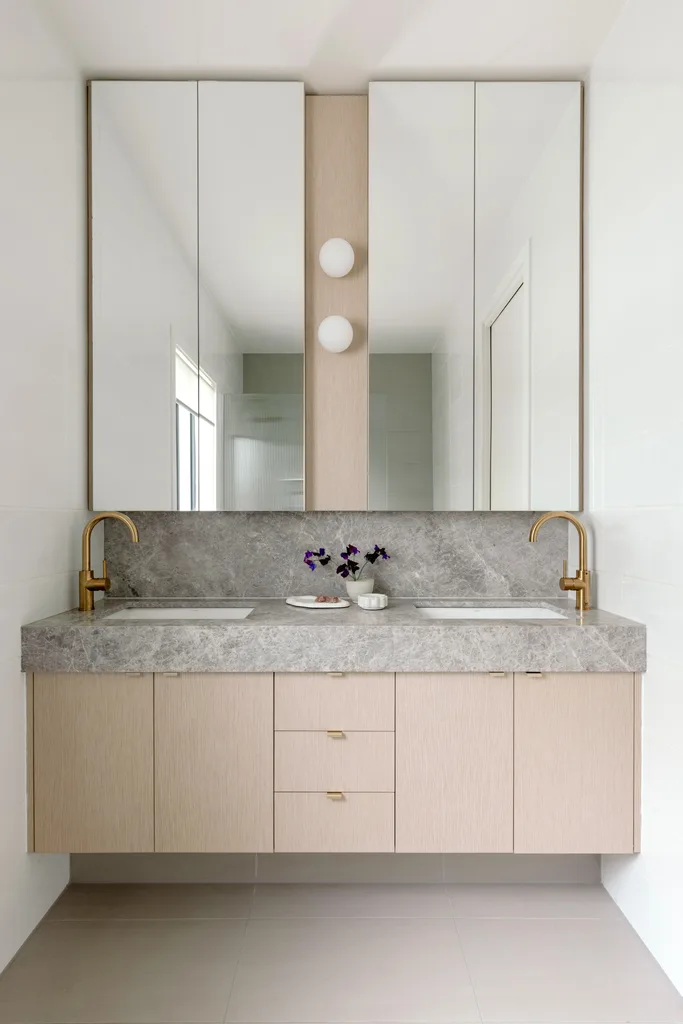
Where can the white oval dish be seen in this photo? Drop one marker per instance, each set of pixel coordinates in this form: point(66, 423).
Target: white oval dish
point(310, 602)
point(373, 602)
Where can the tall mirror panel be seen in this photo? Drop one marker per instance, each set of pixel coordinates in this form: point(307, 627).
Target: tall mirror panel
point(251, 295)
point(527, 329)
point(197, 242)
point(420, 258)
point(143, 182)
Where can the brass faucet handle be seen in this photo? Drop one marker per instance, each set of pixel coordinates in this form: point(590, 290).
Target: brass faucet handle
point(97, 583)
point(105, 582)
point(566, 581)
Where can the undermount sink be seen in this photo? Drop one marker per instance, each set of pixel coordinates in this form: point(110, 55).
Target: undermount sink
point(182, 613)
point(479, 612)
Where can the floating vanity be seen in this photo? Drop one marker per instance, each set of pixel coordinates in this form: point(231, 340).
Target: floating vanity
point(334, 732)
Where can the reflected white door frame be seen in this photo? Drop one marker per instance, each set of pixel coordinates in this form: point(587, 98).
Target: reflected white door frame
point(518, 275)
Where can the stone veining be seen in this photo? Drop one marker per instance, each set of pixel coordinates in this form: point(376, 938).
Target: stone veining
point(260, 554)
point(276, 638)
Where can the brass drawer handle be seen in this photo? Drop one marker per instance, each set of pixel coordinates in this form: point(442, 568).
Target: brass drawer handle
point(335, 675)
point(497, 675)
point(538, 675)
point(336, 734)
point(335, 795)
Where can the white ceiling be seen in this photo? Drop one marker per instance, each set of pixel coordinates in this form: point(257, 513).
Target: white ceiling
point(333, 45)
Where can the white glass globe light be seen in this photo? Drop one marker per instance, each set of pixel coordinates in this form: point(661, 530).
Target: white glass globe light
point(336, 257)
point(335, 333)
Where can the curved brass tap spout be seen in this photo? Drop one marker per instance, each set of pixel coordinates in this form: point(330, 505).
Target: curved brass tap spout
point(88, 583)
point(581, 583)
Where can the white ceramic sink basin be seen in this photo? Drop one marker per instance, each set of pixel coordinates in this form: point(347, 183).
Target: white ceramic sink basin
point(475, 612)
point(182, 613)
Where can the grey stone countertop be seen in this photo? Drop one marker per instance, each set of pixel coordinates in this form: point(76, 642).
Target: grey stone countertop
point(279, 638)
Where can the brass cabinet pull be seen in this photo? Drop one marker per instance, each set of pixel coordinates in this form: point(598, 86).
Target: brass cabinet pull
point(131, 674)
point(335, 675)
point(537, 674)
point(336, 734)
point(498, 675)
point(170, 674)
point(335, 795)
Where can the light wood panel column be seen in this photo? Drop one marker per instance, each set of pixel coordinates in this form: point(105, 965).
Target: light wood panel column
point(337, 384)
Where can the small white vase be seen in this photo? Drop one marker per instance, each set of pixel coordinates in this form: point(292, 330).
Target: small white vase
point(356, 587)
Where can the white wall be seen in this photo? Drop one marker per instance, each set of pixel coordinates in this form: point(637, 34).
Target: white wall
point(635, 420)
point(42, 406)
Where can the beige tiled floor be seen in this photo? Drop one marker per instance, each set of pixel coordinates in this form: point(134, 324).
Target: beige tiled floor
point(317, 954)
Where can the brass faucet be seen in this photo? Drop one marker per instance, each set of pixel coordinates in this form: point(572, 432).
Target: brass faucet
point(88, 583)
point(581, 583)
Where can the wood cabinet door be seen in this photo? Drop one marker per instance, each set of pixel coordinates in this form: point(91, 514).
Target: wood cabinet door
point(213, 763)
point(454, 788)
point(93, 747)
point(575, 737)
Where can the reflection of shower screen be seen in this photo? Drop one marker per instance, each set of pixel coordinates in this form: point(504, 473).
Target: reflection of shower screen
point(264, 435)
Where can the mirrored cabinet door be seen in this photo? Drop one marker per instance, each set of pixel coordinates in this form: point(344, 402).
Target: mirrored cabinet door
point(197, 295)
point(251, 295)
point(145, 344)
point(527, 295)
point(475, 295)
point(420, 258)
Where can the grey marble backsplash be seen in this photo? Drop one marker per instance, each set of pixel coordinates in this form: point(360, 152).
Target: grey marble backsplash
point(260, 554)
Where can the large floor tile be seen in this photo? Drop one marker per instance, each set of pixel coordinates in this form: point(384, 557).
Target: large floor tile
point(542, 972)
point(307, 970)
point(141, 902)
point(422, 901)
point(563, 901)
point(143, 972)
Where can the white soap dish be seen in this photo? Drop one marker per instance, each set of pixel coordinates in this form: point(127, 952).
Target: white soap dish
point(310, 601)
point(373, 602)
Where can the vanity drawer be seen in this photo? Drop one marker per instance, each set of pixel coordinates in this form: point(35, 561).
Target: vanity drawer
point(352, 701)
point(314, 823)
point(310, 762)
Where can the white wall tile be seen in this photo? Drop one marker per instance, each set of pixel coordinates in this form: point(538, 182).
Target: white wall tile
point(635, 420)
point(42, 405)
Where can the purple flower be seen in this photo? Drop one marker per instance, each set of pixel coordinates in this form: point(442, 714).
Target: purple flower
point(348, 566)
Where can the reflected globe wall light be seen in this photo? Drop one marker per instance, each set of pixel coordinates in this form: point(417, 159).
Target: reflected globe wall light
point(335, 333)
point(336, 257)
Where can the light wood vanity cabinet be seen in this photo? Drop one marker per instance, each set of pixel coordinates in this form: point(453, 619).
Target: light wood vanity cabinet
point(213, 763)
point(93, 763)
point(454, 758)
point(335, 762)
point(577, 741)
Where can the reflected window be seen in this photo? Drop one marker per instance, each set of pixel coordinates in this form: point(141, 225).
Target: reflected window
point(195, 431)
